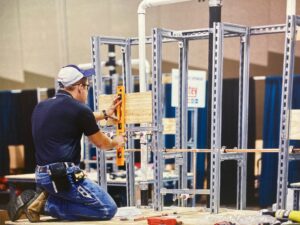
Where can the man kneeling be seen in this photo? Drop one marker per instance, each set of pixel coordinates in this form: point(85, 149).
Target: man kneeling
point(57, 127)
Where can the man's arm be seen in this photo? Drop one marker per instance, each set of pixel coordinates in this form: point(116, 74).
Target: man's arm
point(105, 143)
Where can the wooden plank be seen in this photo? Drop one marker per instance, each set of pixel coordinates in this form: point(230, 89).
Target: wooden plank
point(138, 107)
point(295, 124)
point(169, 125)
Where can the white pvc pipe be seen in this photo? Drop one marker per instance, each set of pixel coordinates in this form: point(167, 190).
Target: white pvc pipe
point(142, 60)
point(142, 35)
point(86, 66)
point(291, 7)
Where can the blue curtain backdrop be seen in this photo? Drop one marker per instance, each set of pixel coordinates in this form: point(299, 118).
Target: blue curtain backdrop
point(268, 178)
point(5, 120)
point(15, 126)
point(230, 102)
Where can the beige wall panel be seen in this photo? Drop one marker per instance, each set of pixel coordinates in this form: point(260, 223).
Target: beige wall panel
point(184, 16)
point(138, 107)
point(39, 37)
point(278, 16)
point(249, 13)
point(10, 41)
point(192, 15)
point(124, 18)
point(86, 19)
point(100, 18)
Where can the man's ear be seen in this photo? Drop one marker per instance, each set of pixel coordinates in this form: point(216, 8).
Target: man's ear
point(79, 89)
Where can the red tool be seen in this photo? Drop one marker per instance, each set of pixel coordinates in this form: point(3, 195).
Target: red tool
point(161, 221)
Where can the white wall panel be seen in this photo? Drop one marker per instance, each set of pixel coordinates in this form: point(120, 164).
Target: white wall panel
point(39, 37)
point(10, 41)
point(86, 18)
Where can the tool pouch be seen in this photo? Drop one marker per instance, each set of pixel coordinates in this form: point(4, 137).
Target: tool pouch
point(58, 175)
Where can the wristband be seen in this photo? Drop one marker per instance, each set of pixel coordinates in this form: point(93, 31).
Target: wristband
point(105, 115)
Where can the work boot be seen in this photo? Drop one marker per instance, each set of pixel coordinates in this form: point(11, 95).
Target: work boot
point(16, 205)
point(36, 207)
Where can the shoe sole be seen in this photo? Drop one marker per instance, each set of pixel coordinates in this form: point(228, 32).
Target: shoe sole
point(16, 208)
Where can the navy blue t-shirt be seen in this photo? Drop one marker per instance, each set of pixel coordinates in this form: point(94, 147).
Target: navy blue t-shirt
point(57, 127)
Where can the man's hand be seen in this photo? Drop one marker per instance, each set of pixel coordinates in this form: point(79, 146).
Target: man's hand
point(111, 111)
point(119, 141)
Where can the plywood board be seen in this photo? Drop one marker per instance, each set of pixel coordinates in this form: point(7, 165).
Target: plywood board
point(16, 156)
point(169, 125)
point(295, 125)
point(138, 107)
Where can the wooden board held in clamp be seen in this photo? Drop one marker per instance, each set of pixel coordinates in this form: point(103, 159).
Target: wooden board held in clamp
point(138, 107)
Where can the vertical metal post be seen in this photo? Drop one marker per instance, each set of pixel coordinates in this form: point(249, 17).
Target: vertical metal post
point(215, 10)
point(216, 117)
point(183, 107)
point(286, 104)
point(194, 135)
point(157, 116)
point(130, 159)
point(243, 120)
point(97, 84)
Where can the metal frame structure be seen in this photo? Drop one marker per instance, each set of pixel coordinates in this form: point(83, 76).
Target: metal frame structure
point(183, 37)
point(286, 106)
point(219, 31)
point(97, 90)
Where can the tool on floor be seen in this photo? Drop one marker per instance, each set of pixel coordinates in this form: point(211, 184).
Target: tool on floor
point(292, 215)
point(283, 215)
point(163, 221)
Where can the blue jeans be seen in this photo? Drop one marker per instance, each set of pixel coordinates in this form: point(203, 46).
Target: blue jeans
point(85, 200)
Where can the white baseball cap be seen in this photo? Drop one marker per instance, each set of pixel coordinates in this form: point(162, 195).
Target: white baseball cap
point(70, 74)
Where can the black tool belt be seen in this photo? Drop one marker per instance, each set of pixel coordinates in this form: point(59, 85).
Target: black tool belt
point(45, 169)
point(59, 177)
